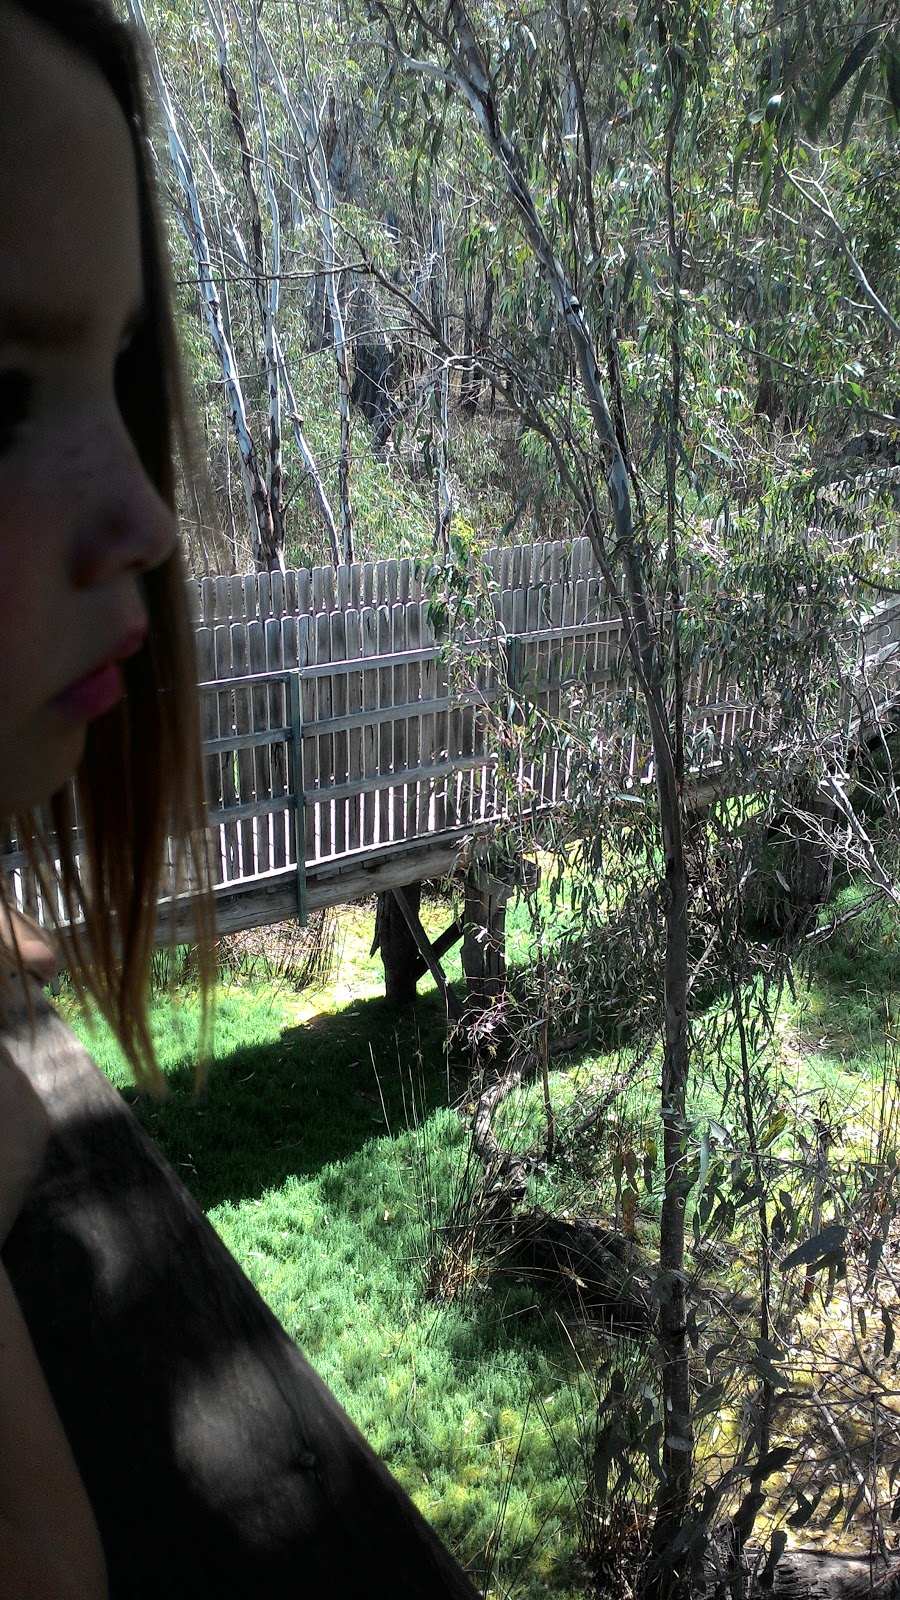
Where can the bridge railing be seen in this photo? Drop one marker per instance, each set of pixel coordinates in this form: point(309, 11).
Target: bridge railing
point(343, 751)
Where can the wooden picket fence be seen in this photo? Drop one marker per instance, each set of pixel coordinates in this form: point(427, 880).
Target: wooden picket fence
point(326, 696)
point(341, 758)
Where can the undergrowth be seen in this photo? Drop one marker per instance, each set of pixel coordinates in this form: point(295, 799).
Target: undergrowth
point(329, 1152)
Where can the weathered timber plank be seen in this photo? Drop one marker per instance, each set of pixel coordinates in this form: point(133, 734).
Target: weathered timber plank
point(355, 737)
point(259, 715)
point(240, 655)
point(217, 1463)
point(399, 643)
point(279, 752)
point(414, 724)
point(225, 724)
point(442, 806)
point(310, 830)
point(385, 698)
point(209, 727)
point(369, 638)
point(295, 649)
point(325, 790)
point(427, 723)
point(525, 770)
point(426, 951)
point(341, 746)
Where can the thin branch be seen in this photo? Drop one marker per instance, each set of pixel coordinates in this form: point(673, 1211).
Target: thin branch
point(823, 207)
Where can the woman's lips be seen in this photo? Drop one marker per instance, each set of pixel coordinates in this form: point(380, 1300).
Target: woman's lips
point(102, 688)
point(94, 694)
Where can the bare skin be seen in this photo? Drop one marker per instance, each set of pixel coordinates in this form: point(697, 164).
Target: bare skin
point(29, 944)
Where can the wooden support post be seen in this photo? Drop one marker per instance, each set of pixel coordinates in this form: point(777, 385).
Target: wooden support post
point(484, 936)
point(410, 915)
point(440, 946)
point(406, 950)
point(398, 948)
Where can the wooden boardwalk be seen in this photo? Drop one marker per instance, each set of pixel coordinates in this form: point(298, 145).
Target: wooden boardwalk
point(342, 760)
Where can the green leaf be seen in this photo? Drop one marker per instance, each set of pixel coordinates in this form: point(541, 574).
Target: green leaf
point(892, 78)
point(804, 1511)
point(816, 1252)
point(856, 101)
point(838, 73)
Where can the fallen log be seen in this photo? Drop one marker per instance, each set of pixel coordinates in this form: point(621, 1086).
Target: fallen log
point(594, 1270)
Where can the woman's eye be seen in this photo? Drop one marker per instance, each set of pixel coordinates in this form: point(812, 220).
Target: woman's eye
point(15, 404)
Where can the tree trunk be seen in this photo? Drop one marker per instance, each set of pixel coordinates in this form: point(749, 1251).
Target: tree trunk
point(267, 551)
point(677, 1457)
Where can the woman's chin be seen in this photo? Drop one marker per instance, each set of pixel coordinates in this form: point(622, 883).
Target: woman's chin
point(30, 777)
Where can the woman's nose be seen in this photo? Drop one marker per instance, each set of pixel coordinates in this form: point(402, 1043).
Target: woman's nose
point(129, 527)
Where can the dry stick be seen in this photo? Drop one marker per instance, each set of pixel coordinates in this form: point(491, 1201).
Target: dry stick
point(844, 1448)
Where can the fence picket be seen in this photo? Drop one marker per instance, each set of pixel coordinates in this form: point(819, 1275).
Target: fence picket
point(355, 767)
point(399, 645)
point(225, 723)
point(414, 724)
point(310, 744)
point(325, 741)
point(386, 731)
point(341, 742)
point(428, 690)
point(262, 755)
point(369, 639)
point(279, 754)
point(243, 712)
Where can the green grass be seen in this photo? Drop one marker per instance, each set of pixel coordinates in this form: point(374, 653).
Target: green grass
point(328, 1154)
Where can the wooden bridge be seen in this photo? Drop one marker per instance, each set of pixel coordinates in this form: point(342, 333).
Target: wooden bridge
point(343, 757)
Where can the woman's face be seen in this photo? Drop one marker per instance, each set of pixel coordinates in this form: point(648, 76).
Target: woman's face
point(80, 521)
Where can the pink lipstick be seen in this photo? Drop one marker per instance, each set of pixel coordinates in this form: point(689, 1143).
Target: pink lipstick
point(102, 688)
point(92, 695)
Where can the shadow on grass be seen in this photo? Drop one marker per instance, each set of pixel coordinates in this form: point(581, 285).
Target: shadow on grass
point(309, 1098)
point(852, 991)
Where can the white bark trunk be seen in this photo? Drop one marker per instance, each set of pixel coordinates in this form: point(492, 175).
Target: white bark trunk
point(195, 231)
point(306, 126)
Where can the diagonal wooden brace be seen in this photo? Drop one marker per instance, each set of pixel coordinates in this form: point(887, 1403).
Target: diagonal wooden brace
point(428, 953)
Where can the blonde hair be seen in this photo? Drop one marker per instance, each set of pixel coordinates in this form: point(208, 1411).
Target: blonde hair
point(140, 796)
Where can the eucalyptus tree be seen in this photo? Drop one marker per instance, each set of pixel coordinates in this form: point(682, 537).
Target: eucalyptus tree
point(627, 347)
point(590, 446)
point(248, 223)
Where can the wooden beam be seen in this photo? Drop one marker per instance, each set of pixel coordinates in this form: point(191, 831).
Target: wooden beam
point(217, 1463)
point(441, 945)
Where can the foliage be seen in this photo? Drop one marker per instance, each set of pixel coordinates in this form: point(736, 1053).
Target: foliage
point(633, 275)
